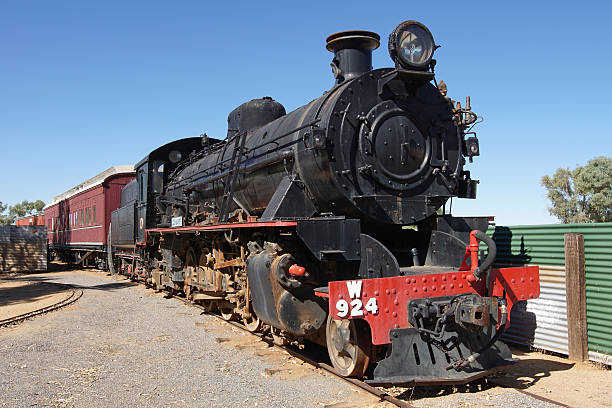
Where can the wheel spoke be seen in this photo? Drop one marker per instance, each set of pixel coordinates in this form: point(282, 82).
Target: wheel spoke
point(348, 345)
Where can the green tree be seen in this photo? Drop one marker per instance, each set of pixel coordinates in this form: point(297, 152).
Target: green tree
point(4, 218)
point(19, 210)
point(583, 194)
point(26, 208)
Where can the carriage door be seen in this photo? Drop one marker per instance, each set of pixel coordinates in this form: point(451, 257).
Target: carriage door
point(141, 204)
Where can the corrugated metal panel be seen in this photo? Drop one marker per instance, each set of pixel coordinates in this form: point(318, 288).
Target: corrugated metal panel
point(23, 248)
point(542, 322)
point(598, 265)
point(544, 245)
point(600, 358)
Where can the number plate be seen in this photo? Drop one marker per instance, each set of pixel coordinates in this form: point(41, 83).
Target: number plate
point(177, 222)
point(356, 306)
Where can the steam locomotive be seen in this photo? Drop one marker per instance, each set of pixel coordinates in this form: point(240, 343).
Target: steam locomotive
point(328, 224)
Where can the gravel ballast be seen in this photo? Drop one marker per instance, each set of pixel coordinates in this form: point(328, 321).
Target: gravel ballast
point(124, 345)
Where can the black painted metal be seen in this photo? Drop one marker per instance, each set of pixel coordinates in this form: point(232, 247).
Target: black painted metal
point(252, 115)
point(331, 239)
point(352, 53)
point(289, 201)
point(414, 360)
point(123, 224)
point(449, 239)
point(382, 149)
point(258, 272)
point(377, 261)
point(232, 175)
point(279, 301)
point(357, 153)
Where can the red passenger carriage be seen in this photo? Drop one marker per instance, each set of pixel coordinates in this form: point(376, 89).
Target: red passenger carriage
point(78, 220)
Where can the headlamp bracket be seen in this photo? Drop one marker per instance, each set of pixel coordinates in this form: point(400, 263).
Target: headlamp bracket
point(411, 79)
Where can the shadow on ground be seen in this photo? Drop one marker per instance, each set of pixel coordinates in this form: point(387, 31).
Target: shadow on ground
point(528, 371)
point(521, 375)
point(17, 290)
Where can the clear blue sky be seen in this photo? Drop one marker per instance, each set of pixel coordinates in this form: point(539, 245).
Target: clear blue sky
point(88, 85)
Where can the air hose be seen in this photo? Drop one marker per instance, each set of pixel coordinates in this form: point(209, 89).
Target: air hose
point(488, 261)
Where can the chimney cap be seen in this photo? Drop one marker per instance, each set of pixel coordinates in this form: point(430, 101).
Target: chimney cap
point(359, 39)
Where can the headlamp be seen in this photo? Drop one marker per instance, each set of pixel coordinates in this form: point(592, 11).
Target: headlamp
point(411, 45)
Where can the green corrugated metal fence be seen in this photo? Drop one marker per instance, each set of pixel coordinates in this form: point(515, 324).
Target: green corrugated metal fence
point(544, 245)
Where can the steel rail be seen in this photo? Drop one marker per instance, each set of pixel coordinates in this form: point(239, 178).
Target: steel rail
point(532, 395)
point(381, 395)
point(74, 296)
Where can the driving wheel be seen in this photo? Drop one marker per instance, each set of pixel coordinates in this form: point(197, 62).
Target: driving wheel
point(348, 345)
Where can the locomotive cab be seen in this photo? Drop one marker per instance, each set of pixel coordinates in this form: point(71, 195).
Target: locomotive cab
point(141, 204)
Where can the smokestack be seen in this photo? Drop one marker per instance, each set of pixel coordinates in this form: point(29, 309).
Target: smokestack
point(352, 53)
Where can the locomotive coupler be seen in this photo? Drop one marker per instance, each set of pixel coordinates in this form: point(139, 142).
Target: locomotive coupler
point(431, 316)
point(464, 362)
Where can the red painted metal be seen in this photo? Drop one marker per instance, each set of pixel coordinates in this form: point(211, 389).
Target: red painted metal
point(393, 294)
point(296, 270)
point(471, 252)
point(321, 294)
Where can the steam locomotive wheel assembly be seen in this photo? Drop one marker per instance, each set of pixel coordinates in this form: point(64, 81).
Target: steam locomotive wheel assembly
point(190, 272)
point(252, 323)
point(348, 346)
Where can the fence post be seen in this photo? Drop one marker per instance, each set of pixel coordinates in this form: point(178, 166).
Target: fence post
point(575, 288)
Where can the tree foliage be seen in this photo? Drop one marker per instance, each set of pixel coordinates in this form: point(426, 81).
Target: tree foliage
point(19, 210)
point(4, 219)
point(583, 194)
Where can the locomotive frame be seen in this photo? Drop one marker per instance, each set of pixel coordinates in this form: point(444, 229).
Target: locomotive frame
point(327, 224)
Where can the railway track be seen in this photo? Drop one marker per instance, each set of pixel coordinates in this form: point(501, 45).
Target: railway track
point(74, 296)
point(381, 395)
point(378, 393)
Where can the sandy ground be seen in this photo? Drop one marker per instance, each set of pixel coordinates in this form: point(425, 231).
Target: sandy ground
point(19, 297)
point(582, 384)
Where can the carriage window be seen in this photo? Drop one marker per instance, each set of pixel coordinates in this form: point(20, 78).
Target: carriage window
point(94, 214)
point(158, 176)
